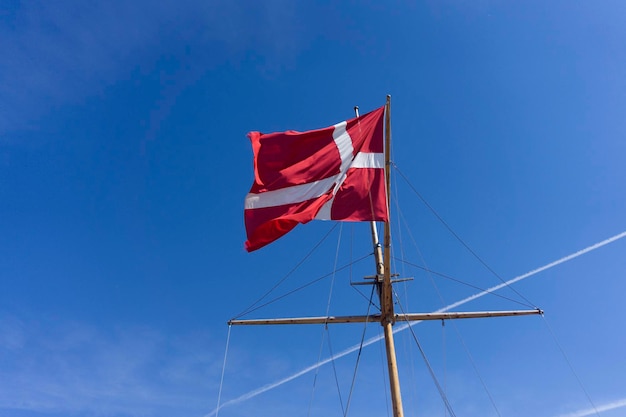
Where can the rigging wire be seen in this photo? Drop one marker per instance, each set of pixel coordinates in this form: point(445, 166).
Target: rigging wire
point(439, 274)
point(317, 371)
point(219, 392)
point(478, 375)
point(330, 294)
point(384, 369)
point(408, 349)
point(358, 357)
point(457, 236)
point(365, 297)
point(442, 394)
point(445, 364)
point(569, 364)
point(332, 362)
point(458, 333)
point(308, 284)
point(298, 265)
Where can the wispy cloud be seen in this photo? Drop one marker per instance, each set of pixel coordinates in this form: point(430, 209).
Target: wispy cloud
point(614, 405)
point(61, 53)
point(403, 327)
point(72, 367)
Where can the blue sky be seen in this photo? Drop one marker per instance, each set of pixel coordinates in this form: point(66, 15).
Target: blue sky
point(124, 165)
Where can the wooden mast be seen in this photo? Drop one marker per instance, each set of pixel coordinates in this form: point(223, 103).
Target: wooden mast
point(386, 295)
point(383, 283)
point(383, 277)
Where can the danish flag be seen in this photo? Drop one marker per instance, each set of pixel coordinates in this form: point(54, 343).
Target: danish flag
point(335, 173)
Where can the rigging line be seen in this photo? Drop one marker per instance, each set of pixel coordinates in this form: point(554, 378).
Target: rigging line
point(219, 391)
point(445, 364)
point(457, 236)
point(536, 271)
point(442, 393)
point(308, 284)
point(358, 357)
point(430, 275)
point(354, 287)
point(351, 249)
point(330, 294)
point(384, 370)
point(332, 362)
point(288, 274)
point(569, 364)
point(365, 297)
point(319, 357)
point(421, 256)
point(430, 271)
point(401, 218)
point(478, 375)
point(332, 280)
point(347, 351)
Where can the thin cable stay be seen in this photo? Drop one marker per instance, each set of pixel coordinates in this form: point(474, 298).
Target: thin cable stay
point(441, 299)
point(569, 364)
point(457, 237)
point(326, 332)
point(308, 284)
point(288, 274)
point(527, 304)
point(467, 284)
point(358, 357)
point(442, 393)
point(382, 283)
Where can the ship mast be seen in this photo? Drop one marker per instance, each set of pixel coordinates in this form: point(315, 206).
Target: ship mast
point(383, 282)
point(383, 277)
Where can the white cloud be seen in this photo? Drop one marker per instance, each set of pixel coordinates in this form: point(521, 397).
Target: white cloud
point(72, 367)
point(613, 405)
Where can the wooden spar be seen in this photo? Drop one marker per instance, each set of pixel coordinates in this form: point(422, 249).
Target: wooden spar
point(383, 283)
point(397, 317)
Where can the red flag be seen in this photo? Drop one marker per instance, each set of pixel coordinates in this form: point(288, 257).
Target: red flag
point(335, 173)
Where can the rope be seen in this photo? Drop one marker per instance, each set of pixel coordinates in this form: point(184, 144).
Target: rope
point(298, 265)
point(358, 358)
point(250, 310)
point(445, 365)
point(480, 378)
point(332, 362)
point(467, 352)
point(457, 236)
point(317, 371)
point(569, 364)
point(442, 394)
point(384, 369)
point(439, 274)
point(409, 351)
point(330, 294)
point(219, 392)
point(327, 332)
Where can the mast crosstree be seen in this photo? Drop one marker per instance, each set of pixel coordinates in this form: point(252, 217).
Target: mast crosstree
point(383, 282)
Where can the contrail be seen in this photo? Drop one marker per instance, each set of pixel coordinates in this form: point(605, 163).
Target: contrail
point(405, 326)
point(589, 412)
